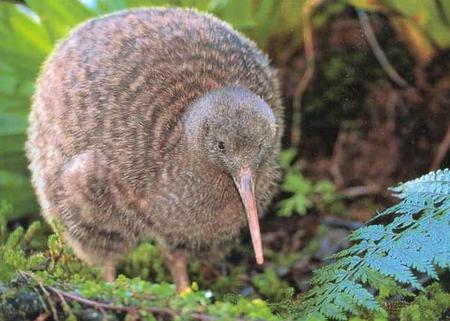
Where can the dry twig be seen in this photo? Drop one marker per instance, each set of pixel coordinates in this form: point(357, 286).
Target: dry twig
point(26, 276)
point(63, 297)
point(378, 52)
point(358, 191)
point(441, 152)
point(108, 306)
point(308, 40)
point(42, 317)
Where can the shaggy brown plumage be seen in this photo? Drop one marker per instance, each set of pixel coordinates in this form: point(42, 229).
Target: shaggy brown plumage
point(155, 122)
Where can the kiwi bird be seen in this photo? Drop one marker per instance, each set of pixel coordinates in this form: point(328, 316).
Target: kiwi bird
point(155, 123)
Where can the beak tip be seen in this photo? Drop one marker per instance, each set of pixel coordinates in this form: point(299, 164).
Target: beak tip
point(260, 260)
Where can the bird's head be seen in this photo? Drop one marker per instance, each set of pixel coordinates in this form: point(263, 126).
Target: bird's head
point(235, 130)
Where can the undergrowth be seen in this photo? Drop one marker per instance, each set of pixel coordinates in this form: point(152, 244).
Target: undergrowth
point(391, 272)
point(303, 194)
point(53, 282)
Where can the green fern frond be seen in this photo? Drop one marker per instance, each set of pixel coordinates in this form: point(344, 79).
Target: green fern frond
point(386, 258)
point(433, 184)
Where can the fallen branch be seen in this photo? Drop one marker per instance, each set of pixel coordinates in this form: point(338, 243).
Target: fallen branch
point(358, 191)
point(378, 52)
point(44, 291)
point(108, 306)
point(131, 309)
point(63, 297)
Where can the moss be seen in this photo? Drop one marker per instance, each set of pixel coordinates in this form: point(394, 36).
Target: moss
point(55, 281)
point(431, 305)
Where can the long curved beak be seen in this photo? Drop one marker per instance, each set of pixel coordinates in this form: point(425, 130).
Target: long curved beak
point(244, 183)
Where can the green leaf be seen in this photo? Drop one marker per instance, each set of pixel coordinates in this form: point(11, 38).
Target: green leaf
point(368, 5)
point(58, 17)
point(16, 189)
point(387, 257)
point(107, 6)
point(24, 42)
point(237, 12)
point(286, 157)
point(148, 3)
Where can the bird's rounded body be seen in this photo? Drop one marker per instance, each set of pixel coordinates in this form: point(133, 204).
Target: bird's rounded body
point(107, 144)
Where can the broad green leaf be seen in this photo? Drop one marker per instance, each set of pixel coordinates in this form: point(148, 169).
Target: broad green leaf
point(59, 17)
point(238, 13)
point(107, 6)
point(198, 4)
point(445, 9)
point(16, 189)
point(369, 5)
point(12, 146)
point(149, 3)
point(24, 43)
point(426, 15)
point(14, 162)
point(286, 157)
point(266, 10)
point(12, 125)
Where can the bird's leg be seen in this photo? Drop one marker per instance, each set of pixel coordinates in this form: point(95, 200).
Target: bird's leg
point(107, 262)
point(176, 261)
point(109, 269)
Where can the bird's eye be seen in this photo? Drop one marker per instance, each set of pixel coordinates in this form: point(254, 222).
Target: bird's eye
point(221, 145)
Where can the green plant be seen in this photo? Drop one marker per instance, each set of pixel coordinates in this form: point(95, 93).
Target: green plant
point(269, 284)
point(14, 251)
point(424, 25)
point(387, 257)
point(146, 262)
point(429, 305)
point(54, 280)
point(26, 41)
point(304, 194)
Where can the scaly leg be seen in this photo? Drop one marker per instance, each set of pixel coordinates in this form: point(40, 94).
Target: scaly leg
point(176, 261)
point(109, 270)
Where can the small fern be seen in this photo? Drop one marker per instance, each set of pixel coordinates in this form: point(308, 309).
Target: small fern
point(386, 258)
